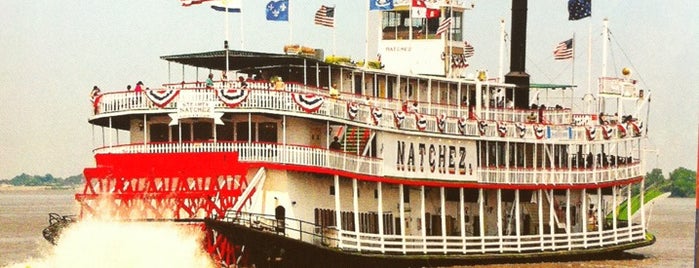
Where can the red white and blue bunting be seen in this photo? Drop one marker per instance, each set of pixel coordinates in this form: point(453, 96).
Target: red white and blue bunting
point(309, 103)
point(481, 127)
point(441, 122)
point(622, 130)
point(420, 122)
point(521, 129)
point(161, 97)
point(376, 115)
point(232, 97)
point(502, 129)
point(398, 118)
point(591, 132)
point(538, 131)
point(607, 131)
point(636, 128)
point(352, 110)
point(462, 124)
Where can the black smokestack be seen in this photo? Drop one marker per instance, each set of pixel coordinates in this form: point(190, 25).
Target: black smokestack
point(518, 52)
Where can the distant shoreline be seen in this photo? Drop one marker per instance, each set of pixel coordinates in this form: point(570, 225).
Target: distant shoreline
point(13, 188)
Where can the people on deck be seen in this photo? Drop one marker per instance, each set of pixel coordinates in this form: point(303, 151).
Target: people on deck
point(210, 82)
point(335, 144)
point(334, 93)
point(94, 93)
point(279, 84)
point(242, 82)
point(139, 87)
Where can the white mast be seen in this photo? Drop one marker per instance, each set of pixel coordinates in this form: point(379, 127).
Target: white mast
point(605, 46)
point(501, 51)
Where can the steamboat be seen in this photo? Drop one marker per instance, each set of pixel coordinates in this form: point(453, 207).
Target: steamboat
point(408, 161)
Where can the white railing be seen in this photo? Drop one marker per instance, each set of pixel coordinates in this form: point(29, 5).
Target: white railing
point(281, 101)
point(272, 153)
point(560, 175)
point(264, 153)
point(397, 244)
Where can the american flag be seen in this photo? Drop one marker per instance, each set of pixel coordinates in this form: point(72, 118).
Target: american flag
point(468, 50)
point(578, 9)
point(564, 50)
point(325, 16)
point(444, 26)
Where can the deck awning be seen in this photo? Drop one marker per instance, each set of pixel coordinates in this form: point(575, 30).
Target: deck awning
point(551, 86)
point(240, 60)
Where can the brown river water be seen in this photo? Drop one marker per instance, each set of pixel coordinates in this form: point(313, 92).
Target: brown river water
point(24, 214)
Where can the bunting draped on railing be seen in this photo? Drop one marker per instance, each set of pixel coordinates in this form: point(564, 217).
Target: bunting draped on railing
point(636, 128)
point(376, 115)
point(309, 103)
point(607, 131)
point(398, 118)
point(481, 127)
point(232, 97)
point(521, 129)
point(352, 110)
point(462, 124)
point(420, 122)
point(441, 122)
point(502, 129)
point(538, 131)
point(161, 97)
point(622, 130)
point(591, 132)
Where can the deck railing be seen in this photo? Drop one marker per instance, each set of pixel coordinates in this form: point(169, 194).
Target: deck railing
point(280, 101)
point(306, 156)
point(415, 244)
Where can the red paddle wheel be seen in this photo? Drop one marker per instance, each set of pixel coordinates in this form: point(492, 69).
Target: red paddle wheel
point(169, 186)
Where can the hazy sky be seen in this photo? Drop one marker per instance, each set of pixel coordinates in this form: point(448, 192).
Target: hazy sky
point(53, 52)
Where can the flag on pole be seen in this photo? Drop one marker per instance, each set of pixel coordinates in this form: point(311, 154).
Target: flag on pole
point(186, 3)
point(564, 50)
point(444, 26)
point(381, 5)
point(468, 50)
point(277, 10)
point(421, 9)
point(325, 16)
point(578, 9)
point(232, 6)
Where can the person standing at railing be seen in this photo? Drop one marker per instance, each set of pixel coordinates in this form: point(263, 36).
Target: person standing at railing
point(278, 83)
point(335, 144)
point(334, 93)
point(210, 81)
point(95, 95)
point(242, 82)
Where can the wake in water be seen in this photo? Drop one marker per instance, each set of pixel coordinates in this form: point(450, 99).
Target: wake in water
point(91, 243)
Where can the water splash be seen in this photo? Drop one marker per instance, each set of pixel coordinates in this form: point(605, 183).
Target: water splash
point(92, 243)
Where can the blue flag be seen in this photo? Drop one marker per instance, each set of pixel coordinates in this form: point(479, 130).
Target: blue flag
point(381, 5)
point(278, 10)
point(578, 9)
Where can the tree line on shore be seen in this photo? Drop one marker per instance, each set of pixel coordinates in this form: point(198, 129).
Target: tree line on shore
point(680, 183)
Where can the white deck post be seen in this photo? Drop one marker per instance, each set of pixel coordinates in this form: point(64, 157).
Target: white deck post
point(423, 232)
point(600, 220)
point(552, 223)
point(628, 211)
point(584, 216)
point(442, 211)
point(481, 218)
point(463, 219)
point(568, 218)
point(499, 197)
point(338, 216)
point(355, 203)
point(379, 191)
point(517, 221)
point(540, 200)
point(643, 209)
point(401, 207)
point(614, 204)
